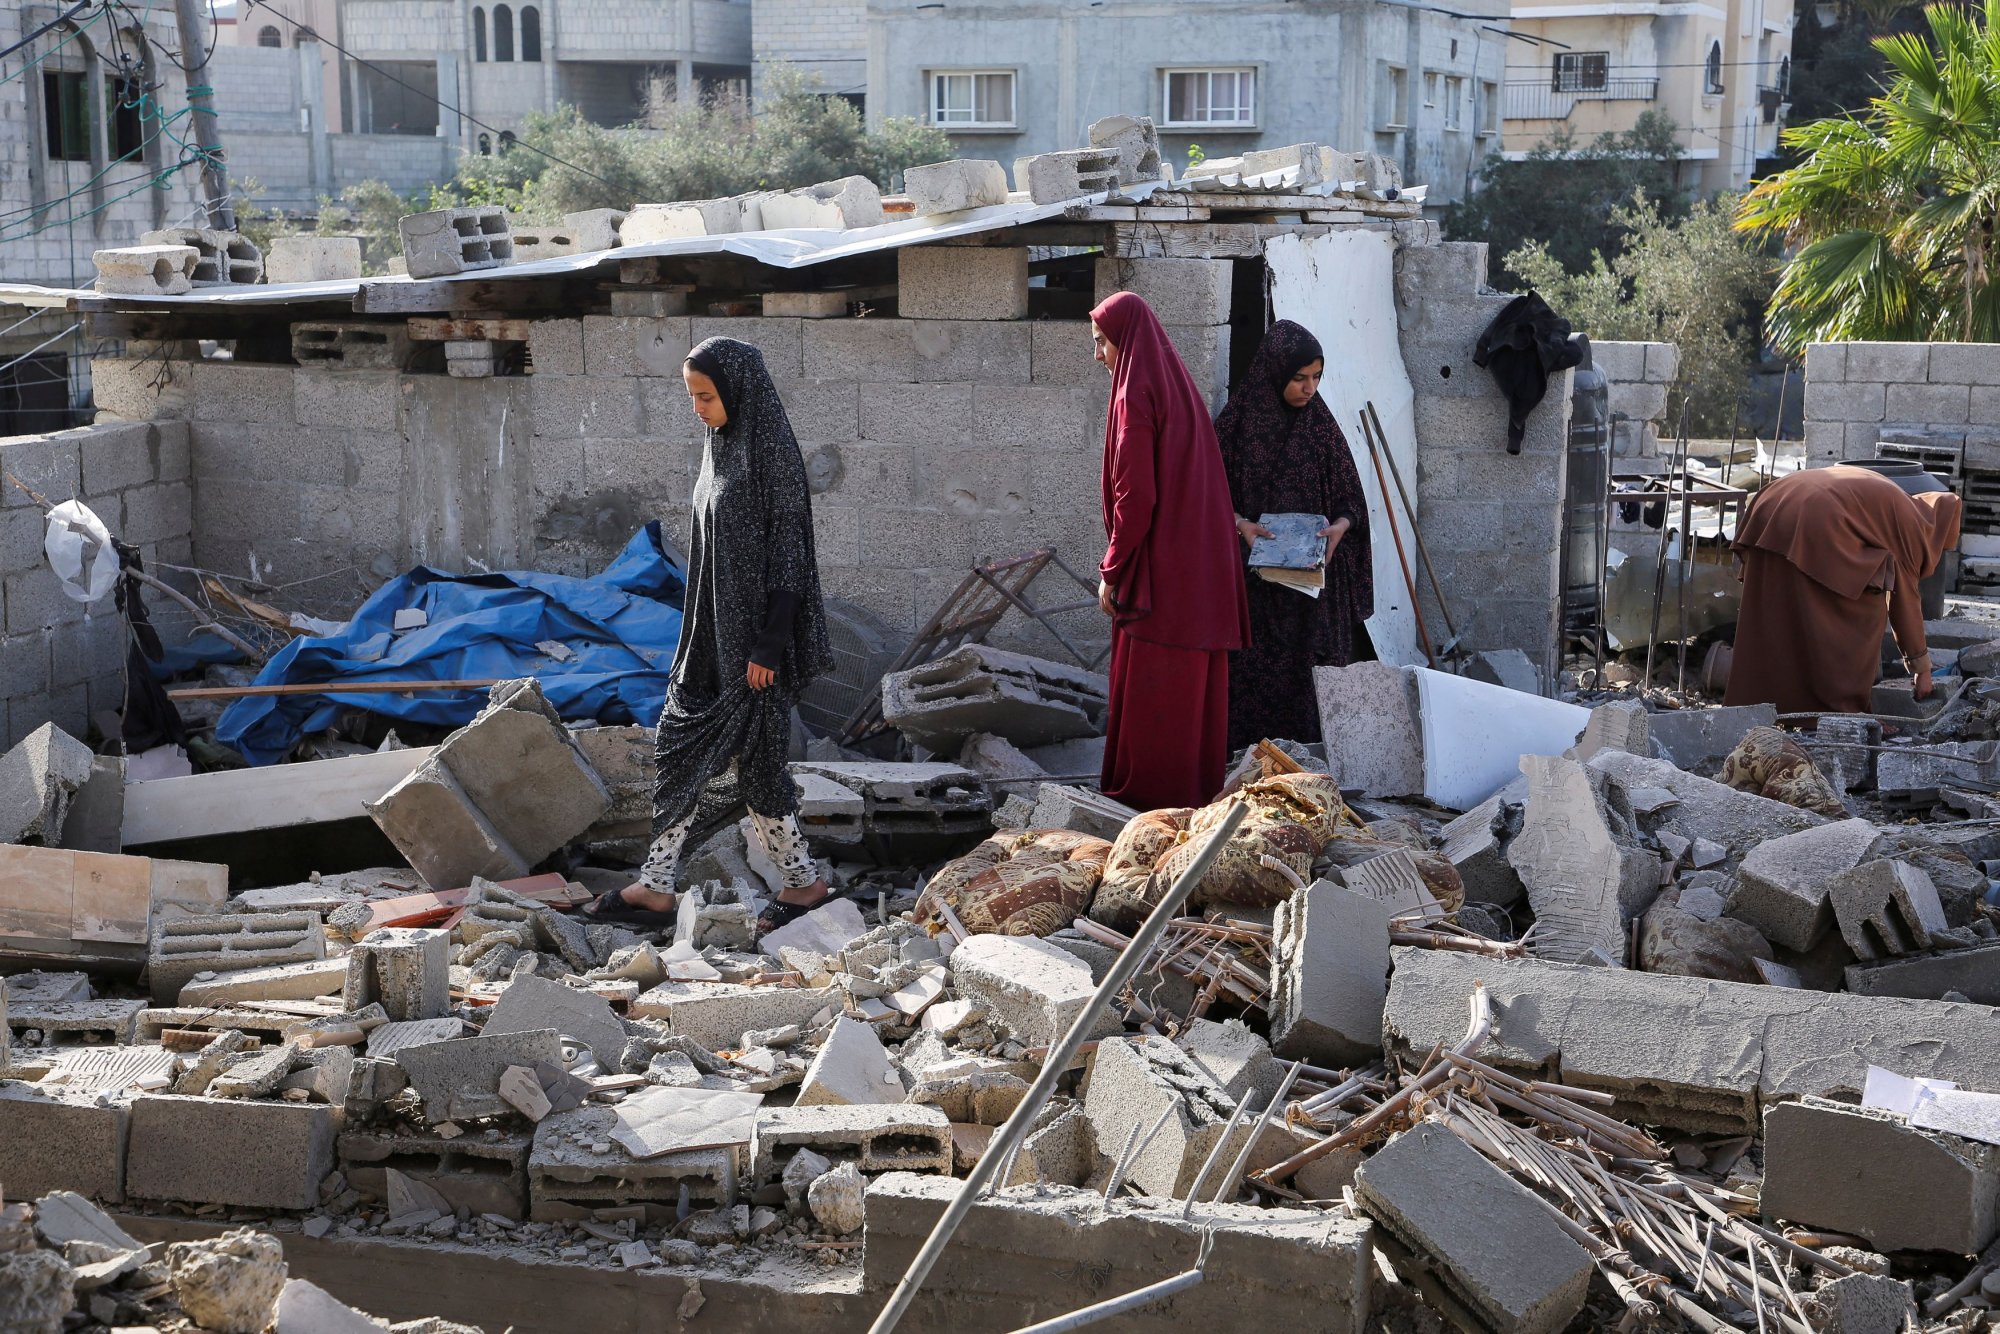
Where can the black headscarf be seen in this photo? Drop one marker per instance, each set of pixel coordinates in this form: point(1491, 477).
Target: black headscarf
point(752, 576)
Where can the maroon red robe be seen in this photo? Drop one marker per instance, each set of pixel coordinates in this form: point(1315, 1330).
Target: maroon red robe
point(1175, 574)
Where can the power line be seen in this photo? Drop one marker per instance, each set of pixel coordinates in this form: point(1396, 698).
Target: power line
point(432, 97)
point(55, 22)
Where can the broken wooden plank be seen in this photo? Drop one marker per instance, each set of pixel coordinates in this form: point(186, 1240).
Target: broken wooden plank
point(433, 296)
point(276, 796)
point(427, 329)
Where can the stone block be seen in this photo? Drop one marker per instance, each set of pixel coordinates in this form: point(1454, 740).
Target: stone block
point(954, 186)
point(1887, 363)
point(1050, 178)
point(184, 947)
point(1059, 806)
point(39, 777)
point(962, 282)
point(1586, 879)
point(852, 1068)
point(289, 981)
point(447, 839)
point(977, 689)
point(1870, 1174)
point(1486, 1239)
point(147, 270)
point(230, 1151)
point(1783, 885)
point(312, 259)
point(577, 1166)
point(1885, 908)
point(1965, 363)
point(1845, 402)
point(851, 201)
point(1180, 291)
point(555, 347)
point(1476, 843)
point(406, 970)
point(1935, 404)
point(60, 1141)
point(717, 1015)
point(1236, 1058)
point(1368, 712)
point(531, 1003)
point(1329, 975)
point(459, 1078)
point(1033, 989)
point(1737, 821)
point(520, 768)
point(900, 1137)
point(594, 229)
point(471, 358)
point(699, 217)
point(221, 257)
point(618, 346)
point(455, 240)
point(352, 344)
point(1699, 740)
point(1971, 973)
point(1137, 142)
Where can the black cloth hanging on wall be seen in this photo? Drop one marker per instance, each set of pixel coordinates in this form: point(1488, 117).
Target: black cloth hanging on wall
point(150, 716)
point(1526, 343)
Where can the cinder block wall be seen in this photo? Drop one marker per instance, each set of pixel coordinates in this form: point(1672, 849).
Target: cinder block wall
point(1492, 520)
point(1636, 376)
point(62, 660)
point(1945, 395)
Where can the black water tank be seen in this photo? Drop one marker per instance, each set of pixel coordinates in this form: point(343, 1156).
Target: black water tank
point(1915, 482)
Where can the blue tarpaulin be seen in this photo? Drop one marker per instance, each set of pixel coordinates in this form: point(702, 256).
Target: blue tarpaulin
point(622, 625)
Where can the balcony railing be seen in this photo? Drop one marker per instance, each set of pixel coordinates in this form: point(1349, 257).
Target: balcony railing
point(1770, 101)
point(1537, 99)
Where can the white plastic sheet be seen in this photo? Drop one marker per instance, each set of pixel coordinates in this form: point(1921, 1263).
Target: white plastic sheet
point(80, 552)
point(1475, 734)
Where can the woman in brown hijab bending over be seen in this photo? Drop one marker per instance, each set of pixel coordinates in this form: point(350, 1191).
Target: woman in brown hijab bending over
point(1829, 557)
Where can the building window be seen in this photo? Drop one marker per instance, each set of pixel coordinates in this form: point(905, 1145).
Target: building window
point(1430, 87)
point(479, 34)
point(1712, 69)
point(503, 33)
point(65, 96)
point(1489, 108)
point(302, 34)
point(1583, 71)
point(973, 99)
point(531, 33)
point(1195, 98)
point(486, 145)
point(507, 140)
point(268, 35)
point(1454, 103)
point(399, 97)
point(1395, 99)
point(123, 96)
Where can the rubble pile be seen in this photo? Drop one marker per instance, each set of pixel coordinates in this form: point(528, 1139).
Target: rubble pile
point(1690, 1040)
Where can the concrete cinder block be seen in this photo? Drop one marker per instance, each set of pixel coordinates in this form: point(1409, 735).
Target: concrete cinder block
point(1486, 1239)
point(1329, 975)
point(1369, 710)
point(569, 1177)
point(1233, 1056)
point(615, 345)
point(1869, 1173)
point(1937, 404)
point(221, 257)
point(455, 240)
point(291, 981)
point(447, 839)
point(519, 766)
point(479, 1173)
point(1137, 142)
point(1783, 885)
point(1180, 291)
point(976, 689)
point(595, 229)
point(56, 1141)
point(1848, 402)
point(1965, 363)
point(851, 201)
point(718, 1015)
point(555, 347)
point(230, 1151)
point(962, 282)
point(1887, 363)
point(406, 970)
point(698, 217)
point(1973, 974)
point(147, 270)
point(1049, 178)
point(1885, 908)
point(313, 259)
point(531, 1003)
point(899, 1137)
point(352, 344)
point(185, 947)
point(459, 1078)
point(954, 186)
point(1032, 988)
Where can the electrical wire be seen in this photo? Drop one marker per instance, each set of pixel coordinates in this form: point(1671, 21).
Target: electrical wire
point(74, 33)
point(55, 22)
point(446, 106)
point(151, 182)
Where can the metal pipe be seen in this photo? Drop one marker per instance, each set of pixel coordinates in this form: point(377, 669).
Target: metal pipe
point(1227, 1192)
point(1208, 1163)
point(1416, 531)
point(1104, 1310)
point(1053, 1069)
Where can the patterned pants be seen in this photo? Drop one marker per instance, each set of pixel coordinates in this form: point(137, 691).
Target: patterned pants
point(781, 838)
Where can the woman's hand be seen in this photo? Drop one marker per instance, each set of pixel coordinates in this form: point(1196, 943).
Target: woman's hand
point(1333, 532)
point(1250, 530)
point(760, 678)
point(1105, 602)
point(1922, 686)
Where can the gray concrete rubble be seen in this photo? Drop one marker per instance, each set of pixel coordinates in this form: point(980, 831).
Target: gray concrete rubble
point(1886, 908)
point(405, 969)
point(1707, 810)
point(38, 779)
point(185, 948)
point(1783, 885)
point(1028, 701)
point(1330, 971)
point(1372, 708)
point(1061, 806)
point(913, 812)
point(1578, 859)
point(1476, 845)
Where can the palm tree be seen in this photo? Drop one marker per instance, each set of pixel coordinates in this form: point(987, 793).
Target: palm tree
point(1894, 212)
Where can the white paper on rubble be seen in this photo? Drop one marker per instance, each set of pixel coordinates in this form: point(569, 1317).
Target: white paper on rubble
point(1475, 734)
point(1960, 1112)
point(1888, 1091)
point(674, 1120)
point(79, 550)
point(1342, 287)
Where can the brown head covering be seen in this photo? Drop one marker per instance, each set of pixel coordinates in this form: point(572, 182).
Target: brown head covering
point(1942, 510)
point(1852, 529)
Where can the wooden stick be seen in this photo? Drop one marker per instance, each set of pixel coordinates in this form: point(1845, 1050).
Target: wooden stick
point(328, 688)
point(1402, 561)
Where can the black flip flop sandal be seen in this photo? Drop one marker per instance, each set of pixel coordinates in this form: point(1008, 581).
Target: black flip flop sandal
point(777, 913)
point(611, 909)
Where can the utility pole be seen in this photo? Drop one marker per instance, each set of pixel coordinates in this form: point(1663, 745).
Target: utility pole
point(217, 209)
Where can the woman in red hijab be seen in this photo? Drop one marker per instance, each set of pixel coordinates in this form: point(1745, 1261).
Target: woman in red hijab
point(1172, 580)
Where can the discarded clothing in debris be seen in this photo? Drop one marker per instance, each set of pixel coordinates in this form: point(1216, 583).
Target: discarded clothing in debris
point(752, 570)
point(621, 626)
point(1027, 882)
point(1771, 764)
point(1526, 344)
point(1174, 568)
point(1286, 460)
point(1830, 557)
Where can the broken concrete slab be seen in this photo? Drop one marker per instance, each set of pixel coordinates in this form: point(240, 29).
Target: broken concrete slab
point(1369, 712)
point(1699, 740)
point(1973, 974)
point(279, 796)
point(1474, 734)
point(289, 981)
point(1870, 1174)
point(38, 779)
point(1886, 908)
point(305, 1308)
point(1585, 883)
point(852, 1067)
point(1862, 1304)
point(459, 1079)
point(1707, 810)
point(1619, 725)
point(1487, 1240)
point(1329, 975)
point(226, 943)
point(657, 1121)
point(1031, 988)
point(900, 1137)
point(1692, 1053)
point(229, 1151)
point(406, 969)
point(1028, 701)
point(717, 1015)
point(1236, 1058)
point(954, 186)
point(1137, 142)
point(576, 1167)
point(1476, 844)
point(532, 1003)
point(448, 840)
point(482, 1174)
point(912, 813)
point(1782, 886)
point(1059, 806)
point(524, 771)
point(1509, 667)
